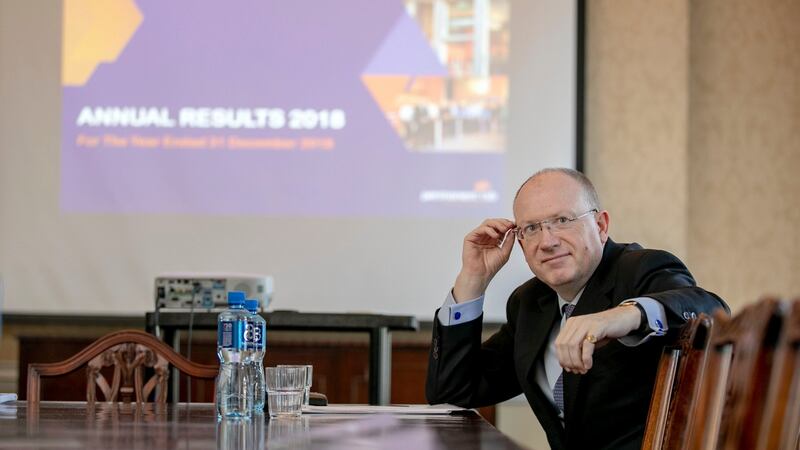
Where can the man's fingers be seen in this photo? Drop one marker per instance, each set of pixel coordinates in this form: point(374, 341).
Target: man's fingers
point(577, 355)
point(562, 349)
point(581, 335)
point(586, 354)
point(498, 224)
point(568, 347)
point(491, 231)
point(570, 360)
point(508, 242)
point(574, 348)
point(576, 343)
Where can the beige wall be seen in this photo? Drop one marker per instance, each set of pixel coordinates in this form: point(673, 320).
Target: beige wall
point(637, 118)
point(744, 147)
point(693, 134)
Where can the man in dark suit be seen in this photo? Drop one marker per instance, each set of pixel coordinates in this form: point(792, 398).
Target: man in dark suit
point(583, 338)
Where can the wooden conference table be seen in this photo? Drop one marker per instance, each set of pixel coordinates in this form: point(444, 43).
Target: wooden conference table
point(67, 425)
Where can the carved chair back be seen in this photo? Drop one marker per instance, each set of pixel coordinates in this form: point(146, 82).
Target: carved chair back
point(129, 352)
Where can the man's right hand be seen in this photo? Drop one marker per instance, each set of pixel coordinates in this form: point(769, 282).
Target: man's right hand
point(482, 257)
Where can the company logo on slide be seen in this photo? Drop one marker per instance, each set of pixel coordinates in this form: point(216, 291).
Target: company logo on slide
point(482, 192)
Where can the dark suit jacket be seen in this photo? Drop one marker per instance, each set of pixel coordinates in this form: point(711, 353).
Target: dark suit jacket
point(607, 407)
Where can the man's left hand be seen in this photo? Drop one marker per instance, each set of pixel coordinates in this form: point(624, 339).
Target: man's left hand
point(580, 335)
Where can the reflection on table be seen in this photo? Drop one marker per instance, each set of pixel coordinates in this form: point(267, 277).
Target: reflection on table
point(124, 426)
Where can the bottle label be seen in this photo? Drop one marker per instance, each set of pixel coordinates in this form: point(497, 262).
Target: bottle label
point(230, 334)
point(254, 336)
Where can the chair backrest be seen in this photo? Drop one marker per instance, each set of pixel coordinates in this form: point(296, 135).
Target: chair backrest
point(780, 427)
point(734, 383)
point(129, 352)
point(677, 387)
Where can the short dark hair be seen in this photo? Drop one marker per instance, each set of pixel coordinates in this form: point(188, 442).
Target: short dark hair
point(587, 187)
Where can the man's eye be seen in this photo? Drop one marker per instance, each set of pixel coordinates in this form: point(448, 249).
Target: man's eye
point(532, 228)
point(562, 220)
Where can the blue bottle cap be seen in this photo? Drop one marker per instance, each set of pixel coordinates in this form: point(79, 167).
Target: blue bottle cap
point(236, 298)
point(251, 305)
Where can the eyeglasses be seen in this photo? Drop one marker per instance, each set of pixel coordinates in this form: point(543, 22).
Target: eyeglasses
point(533, 231)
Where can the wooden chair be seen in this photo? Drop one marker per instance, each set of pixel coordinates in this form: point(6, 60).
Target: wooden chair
point(734, 382)
point(129, 352)
point(780, 428)
point(677, 387)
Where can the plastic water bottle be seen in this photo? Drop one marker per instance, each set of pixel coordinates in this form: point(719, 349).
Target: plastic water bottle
point(256, 339)
point(234, 389)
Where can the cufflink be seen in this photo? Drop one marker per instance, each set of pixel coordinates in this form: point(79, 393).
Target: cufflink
point(457, 315)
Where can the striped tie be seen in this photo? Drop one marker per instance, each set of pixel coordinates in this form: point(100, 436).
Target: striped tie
point(558, 389)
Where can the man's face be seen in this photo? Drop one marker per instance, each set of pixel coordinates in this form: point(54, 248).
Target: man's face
point(562, 259)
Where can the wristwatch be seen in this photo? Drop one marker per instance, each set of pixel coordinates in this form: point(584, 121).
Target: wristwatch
point(644, 324)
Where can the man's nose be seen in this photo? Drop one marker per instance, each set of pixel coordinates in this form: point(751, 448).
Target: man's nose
point(548, 239)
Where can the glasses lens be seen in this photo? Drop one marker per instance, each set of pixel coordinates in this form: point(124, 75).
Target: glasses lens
point(561, 223)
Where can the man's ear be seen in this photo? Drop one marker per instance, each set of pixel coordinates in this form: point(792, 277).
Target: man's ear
point(602, 220)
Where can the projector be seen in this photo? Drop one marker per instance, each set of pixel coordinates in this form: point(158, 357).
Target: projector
point(209, 290)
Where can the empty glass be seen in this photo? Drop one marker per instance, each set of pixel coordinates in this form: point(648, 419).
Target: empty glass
point(285, 388)
point(309, 372)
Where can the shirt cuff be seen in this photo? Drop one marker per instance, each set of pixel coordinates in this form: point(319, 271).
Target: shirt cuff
point(656, 321)
point(452, 313)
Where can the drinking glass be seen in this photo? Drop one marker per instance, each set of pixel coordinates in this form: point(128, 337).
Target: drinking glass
point(285, 387)
point(309, 372)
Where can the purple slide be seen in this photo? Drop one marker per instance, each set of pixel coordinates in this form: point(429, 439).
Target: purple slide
point(312, 108)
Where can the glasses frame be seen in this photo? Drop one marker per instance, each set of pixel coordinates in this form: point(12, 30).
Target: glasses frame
point(549, 223)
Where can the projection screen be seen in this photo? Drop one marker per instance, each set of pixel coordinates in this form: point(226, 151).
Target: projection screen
point(342, 147)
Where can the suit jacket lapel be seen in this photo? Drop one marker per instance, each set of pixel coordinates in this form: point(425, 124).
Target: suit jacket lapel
point(595, 298)
point(536, 318)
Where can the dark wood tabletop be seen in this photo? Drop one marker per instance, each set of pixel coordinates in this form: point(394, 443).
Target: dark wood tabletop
point(67, 425)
